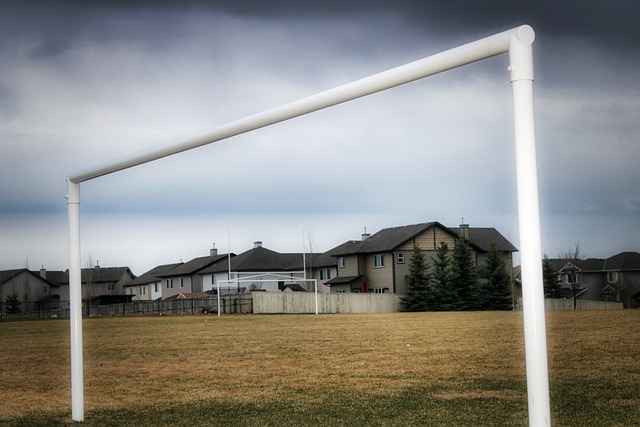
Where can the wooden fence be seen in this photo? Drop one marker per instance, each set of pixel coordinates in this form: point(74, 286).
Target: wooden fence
point(554, 304)
point(264, 303)
point(304, 302)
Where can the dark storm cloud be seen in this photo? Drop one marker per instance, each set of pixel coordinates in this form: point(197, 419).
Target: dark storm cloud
point(610, 23)
point(86, 81)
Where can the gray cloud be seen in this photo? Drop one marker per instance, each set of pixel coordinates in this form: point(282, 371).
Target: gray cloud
point(84, 82)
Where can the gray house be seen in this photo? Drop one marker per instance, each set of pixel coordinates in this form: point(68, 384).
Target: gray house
point(31, 290)
point(186, 277)
point(615, 279)
point(263, 269)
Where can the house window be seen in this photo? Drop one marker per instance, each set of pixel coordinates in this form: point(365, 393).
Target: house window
point(45, 289)
point(379, 290)
point(612, 276)
point(378, 261)
point(341, 262)
point(143, 290)
point(155, 287)
point(111, 286)
point(325, 274)
point(340, 291)
point(169, 283)
point(401, 258)
point(182, 282)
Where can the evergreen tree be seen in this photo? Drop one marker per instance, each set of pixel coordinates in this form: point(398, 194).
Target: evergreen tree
point(464, 277)
point(419, 292)
point(550, 280)
point(13, 304)
point(444, 295)
point(497, 281)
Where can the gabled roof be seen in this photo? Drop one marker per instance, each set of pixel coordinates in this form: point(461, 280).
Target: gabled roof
point(7, 275)
point(624, 261)
point(153, 275)
point(341, 280)
point(192, 267)
point(261, 259)
point(389, 239)
point(95, 275)
point(483, 237)
point(385, 240)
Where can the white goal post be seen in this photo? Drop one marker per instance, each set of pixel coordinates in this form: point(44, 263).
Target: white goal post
point(517, 43)
point(275, 277)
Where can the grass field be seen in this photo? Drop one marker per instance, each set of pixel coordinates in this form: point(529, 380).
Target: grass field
point(304, 370)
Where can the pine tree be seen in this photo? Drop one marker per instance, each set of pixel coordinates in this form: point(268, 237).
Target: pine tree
point(551, 282)
point(464, 277)
point(13, 304)
point(419, 292)
point(497, 281)
point(444, 295)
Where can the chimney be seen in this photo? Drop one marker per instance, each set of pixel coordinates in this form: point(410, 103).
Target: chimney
point(43, 272)
point(213, 251)
point(365, 235)
point(257, 244)
point(464, 231)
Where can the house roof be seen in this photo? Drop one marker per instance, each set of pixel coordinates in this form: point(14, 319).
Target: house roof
point(261, 259)
point(98, 275)
point(389, 239)
point(188, 295)
point(194, 266)
point(384, 240)
point(342, 280)
point(294, 287)
point(624, 261)
point(484, 237)
point(7, 275)
point(153, 275)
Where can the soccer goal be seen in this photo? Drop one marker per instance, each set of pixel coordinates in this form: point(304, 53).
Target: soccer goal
point(277, 280)
point(517, 43)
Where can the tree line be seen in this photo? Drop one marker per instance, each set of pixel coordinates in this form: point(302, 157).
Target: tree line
point(454, 283)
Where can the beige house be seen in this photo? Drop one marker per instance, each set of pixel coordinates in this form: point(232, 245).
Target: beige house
point(380, 262)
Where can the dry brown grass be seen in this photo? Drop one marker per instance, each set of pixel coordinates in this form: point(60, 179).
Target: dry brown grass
point(142, 361)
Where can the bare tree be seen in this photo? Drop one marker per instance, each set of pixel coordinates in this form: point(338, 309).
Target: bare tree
point(89, 276)
point(572, 258)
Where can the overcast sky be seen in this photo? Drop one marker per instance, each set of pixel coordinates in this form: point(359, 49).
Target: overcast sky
point(83, 82)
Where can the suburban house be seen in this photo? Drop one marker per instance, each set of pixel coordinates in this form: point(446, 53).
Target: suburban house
point(614, 279)
point(32, 290)
point(105, 282)
point(186, 277)
point(263, 269)
point(50, 289)
point(148, 287)
point(380, 262)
